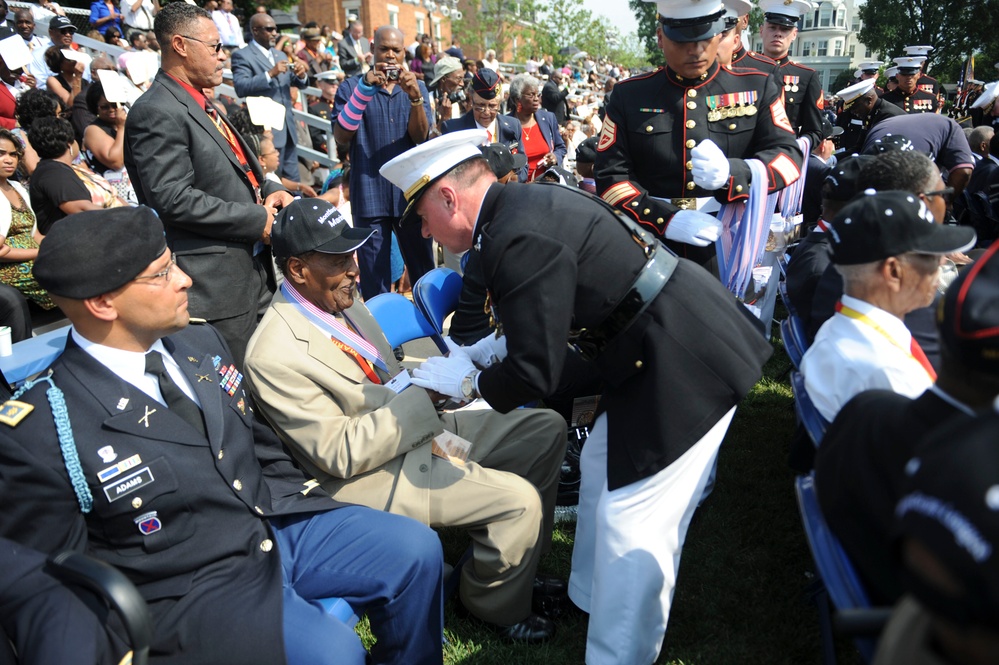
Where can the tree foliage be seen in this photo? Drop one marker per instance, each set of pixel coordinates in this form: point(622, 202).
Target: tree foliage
point(955, 29)
point(645, 12)
point(496, 23)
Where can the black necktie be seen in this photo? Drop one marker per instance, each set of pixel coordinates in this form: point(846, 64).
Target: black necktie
point(175, 398)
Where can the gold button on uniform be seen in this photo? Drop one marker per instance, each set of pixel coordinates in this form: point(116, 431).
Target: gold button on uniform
point(646, 211)
point(690, 166)
point(691, 124)
point(221, 454)
point(690, 143)
point(732, 126)
point(659, 220)
point(648, 129)
point(137, 502)
point(638, 364)
point(691, 105)
point(266, 545)
point(692, 93)
point(634, 204)
point(691, 185)
point(738, 188)
point(237, 484)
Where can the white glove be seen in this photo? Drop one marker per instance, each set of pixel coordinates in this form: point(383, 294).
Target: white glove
point(484, 353)
point(711, 167)
point(694, 228)
point(444, 375)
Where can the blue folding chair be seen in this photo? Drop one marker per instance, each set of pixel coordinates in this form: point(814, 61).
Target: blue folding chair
point(843, 587)
point(401, 321)
point(809, 416)
point(436, 295)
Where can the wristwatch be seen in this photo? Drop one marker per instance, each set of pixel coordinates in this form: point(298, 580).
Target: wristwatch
point(468, 391)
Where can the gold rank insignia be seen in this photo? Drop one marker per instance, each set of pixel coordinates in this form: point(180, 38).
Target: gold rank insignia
point(13, 412)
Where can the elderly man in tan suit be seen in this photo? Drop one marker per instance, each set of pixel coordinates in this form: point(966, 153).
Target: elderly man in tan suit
point(320, 370)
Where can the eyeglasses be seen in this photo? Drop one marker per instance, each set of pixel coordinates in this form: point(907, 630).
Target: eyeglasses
point(486, 108)
point(165, 274)
point(269, 28)
point(107, 107)
point(531, 95)
point(66, 31)
point(217, 46)
point(947, 193)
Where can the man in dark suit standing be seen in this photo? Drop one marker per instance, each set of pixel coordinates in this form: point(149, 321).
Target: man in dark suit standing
point(553, 97)
point(260, 70)
point(193, 168)
point(485, 115)
point(354, 50)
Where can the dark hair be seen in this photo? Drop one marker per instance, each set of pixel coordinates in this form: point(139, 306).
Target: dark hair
point(109, 37)
point(18, 146)
point(905, 170)
point(134, 35)
point(94, 94)
point(54, 58)
point(50, 137)
point(36, 103)
point(240, 119)
point(176, 18)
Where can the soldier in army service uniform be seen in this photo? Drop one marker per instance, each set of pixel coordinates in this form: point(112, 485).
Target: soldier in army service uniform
point(676, 137)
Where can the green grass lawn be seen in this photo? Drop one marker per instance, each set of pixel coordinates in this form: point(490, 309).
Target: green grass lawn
point(741, 592)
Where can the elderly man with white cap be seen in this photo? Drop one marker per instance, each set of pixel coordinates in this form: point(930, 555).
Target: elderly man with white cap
point(802, 88)
point(673, 347)
point(862, 109)
point(907, 95)
point(675, 142)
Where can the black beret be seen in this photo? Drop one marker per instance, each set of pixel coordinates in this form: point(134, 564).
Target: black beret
point(97, 251)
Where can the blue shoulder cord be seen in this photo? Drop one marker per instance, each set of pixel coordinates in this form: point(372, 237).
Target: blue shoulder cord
point(70, 456)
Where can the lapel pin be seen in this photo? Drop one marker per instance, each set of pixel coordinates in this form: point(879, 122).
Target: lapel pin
point(122, 403)
point(107, 454)
point(144, 420)
point(203, 377)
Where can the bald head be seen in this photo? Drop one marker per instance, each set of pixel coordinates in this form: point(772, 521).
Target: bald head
point(388, 47)
point(387, 32)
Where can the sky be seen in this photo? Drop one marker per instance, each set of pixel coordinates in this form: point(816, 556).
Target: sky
point(617, 11)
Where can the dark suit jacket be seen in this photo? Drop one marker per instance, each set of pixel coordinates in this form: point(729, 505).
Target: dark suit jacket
point(564, 266)
point(182, 166)
point(860, 471)
point(352, 60)
point(212, 568)
point(249, 78)
point(810, 260)
point(811, 200)
point(553, 100)
point(980, 175)
point(508, 130)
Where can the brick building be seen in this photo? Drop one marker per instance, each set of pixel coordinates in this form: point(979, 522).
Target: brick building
point(413, 17)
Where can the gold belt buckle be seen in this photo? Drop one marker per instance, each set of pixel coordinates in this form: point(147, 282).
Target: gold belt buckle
point(685, 204)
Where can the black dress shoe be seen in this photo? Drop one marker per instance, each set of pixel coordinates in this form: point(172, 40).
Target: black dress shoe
point(532, 630)
point(549, 585)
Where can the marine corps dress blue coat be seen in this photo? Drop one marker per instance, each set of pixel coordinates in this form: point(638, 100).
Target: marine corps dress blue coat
point(654, 121)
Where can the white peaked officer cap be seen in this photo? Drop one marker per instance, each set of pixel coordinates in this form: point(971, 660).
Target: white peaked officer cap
point(854, 92)
point(415, 170)
point(908, 63)
point(891, 72)
point(785, 12)
point(870, 66)
point(690, 20)
point(737, 8)
point(917, 50)
point(988, 95)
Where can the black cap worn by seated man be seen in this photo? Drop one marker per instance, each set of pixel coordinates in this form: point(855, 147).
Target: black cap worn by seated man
point(950, 507)
point(843, 181)
point(502, 160)
point(878, 225)
point(98, 251)
point(485, 83)
point(61, 23)
point(314, 225)
point(968, 315)
point(586, 152)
